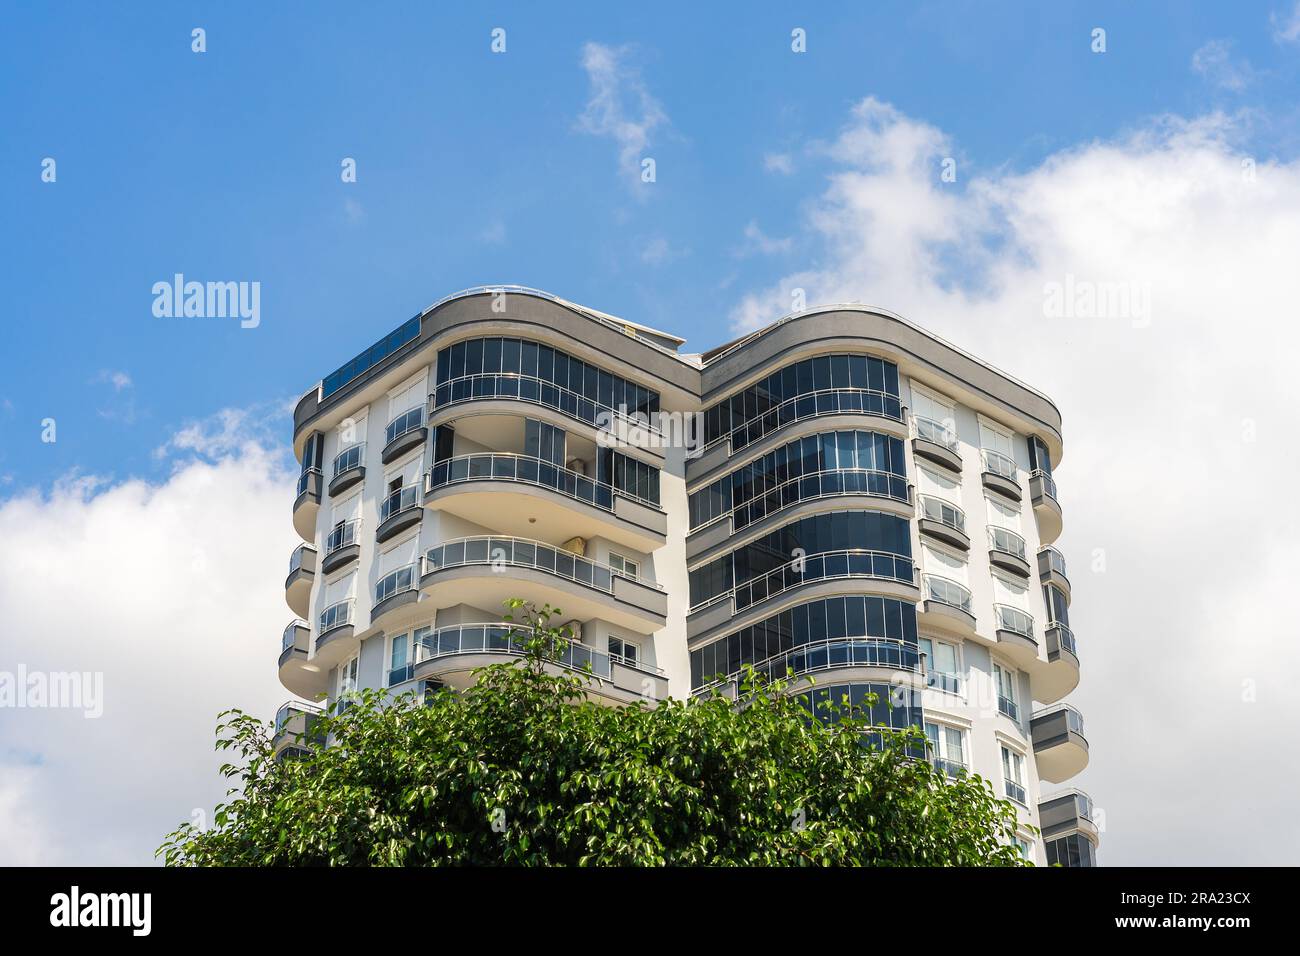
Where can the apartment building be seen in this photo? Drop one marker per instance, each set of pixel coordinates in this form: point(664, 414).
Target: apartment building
point(839, 495)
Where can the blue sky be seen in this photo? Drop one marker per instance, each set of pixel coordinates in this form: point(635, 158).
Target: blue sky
point(476, 168)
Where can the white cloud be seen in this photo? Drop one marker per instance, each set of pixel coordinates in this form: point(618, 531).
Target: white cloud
point(173, 592)
point(1286, 26)
point(1215, 62)
point(658, 250)
point(758, 242)
point(778, 163)
point(1178, 435)
point(619, 105)
point(118, 379)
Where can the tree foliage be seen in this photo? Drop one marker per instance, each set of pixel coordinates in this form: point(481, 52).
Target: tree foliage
point(522, 769)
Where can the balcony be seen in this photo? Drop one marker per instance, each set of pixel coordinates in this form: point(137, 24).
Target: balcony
point(877, 659)
point(953, 769)
point(399, 511)
point(1060, 748)
point(947, 605)
point(336, 638)
point(342, 546)
point(1042, 494)
point(1015, 791)
point(894, 573)
point(404, 433)
point(474, 571)
point(349, 469)
point(295, 728)
point(1061, 673)
point(302, 574)
point(1001, 474)
point(943, 521)
point(1015, 636)
point(1009, 708)
point(396, 593)
point(451, 654)
point(1051, 570)
point(298, 674)
point(1007, 551)
point(937, 442)
point(1066, 814)
point(307, 504)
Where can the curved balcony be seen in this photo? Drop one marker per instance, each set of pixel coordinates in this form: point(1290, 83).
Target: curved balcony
point(336, 638)
point(1066, 813)
point(399, 511)
point(626, 428)
point(884, 491)
point(1042, 494)
point(342, 546)
point(452, 654)
point(396, 595)
point(947, 605)
point(349, 469)
point(1007, 551)
point(1015, 635)
point(943, 521)
point(1051, 570)
point(307, 504)
point(1060, 747)
point(937, 442)
point(404, 433)
point(1001, 474)
point(302, 574)
point(1060, 674)
point(868, 654)
point(485, 570)
point(295, 728)
point(520, 493)
point(298, 674)
point(894, 576)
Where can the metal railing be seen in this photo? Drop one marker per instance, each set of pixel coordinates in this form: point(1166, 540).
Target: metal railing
point(1015, 791)
point(1048, 482)
point(1055, 560)
point(403, 499)
point(500, 639)
point(944, 682)
point(953, 768)
point(946, 591)
point(295, 559)
point(827, 565)
point(537, 391)
point(304, 479)
point(1009, 707)
point(337, 615)
point(831, 653)
point(827, 401)
point(1015, 620)
point(944, 512)
point(1064, 636)
point(342, 535)
point(408, 421)
point(505, 466)
point(349, 458)
point(395, 582)
point(1007, 541)
point(940, 433)
point(1000, 464)
point(291, 709)
point(1073, 719)
point(500, 551)
point(831, 482)
point(290, 638)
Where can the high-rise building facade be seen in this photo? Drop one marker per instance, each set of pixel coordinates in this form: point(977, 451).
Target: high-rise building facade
point(839, 495)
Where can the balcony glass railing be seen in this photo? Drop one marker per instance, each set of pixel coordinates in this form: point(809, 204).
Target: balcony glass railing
point(1007, 541)
point(501, 639)
point(336, 615)
point(936, 509)
point(1009, 708)
point(408, 421)
point(349, 458)
point(501, 551)
point(408, 331)
point(395, 582)
point(1015, 791)
point(290, 637)
point(1055, 560)
point(832, 653)
point(953, 768)
point(537, 391)
point(1015, 620)
point(299, 554)
point(827, 565)
point(342, 535)
point(820, 484)
point(1048, 482)
point(940, 681)
point(502, 466)
point(304, 479)
point(945, 591)
point(1073, 719)
point(1000, 464)
point(289, 711)
point(832, 401)
point(940, 433)
point(1064, 637)
point(403, 499)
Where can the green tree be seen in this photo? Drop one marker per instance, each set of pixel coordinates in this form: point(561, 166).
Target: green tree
point(522, 769)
